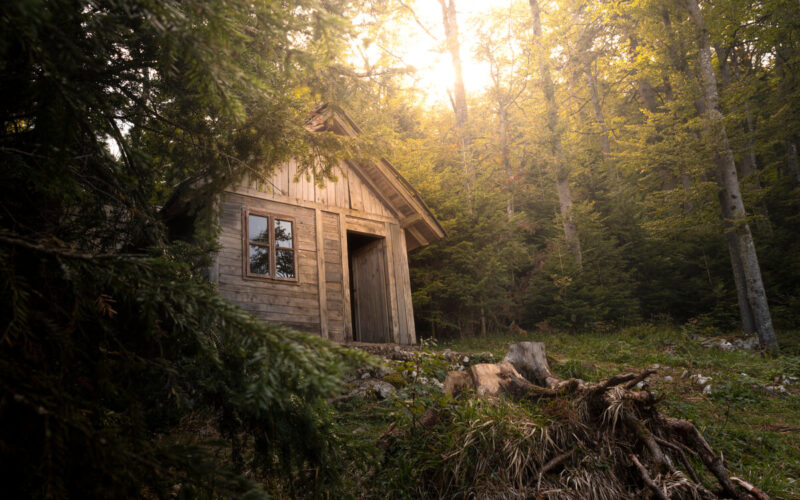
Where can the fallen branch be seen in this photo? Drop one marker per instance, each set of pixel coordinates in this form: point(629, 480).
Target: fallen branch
point(647, 480)
point(552, 463)
point(581, 415)
point(689, 433)
point(757, 493)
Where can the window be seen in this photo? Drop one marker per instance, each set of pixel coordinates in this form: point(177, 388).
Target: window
point(269, 250)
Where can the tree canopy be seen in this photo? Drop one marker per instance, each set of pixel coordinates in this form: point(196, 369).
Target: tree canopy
point(627, 161)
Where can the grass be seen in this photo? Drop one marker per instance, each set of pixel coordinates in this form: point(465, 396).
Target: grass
point(757, 432)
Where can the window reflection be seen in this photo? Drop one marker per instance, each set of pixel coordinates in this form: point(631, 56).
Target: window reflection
point(270, 248)
point(259, 259)
point(283, 233)
point(259, 228)
point(284, 263)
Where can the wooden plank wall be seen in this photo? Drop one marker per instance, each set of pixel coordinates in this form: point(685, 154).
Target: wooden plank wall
point(292, 304)
point(323, 216)
point(405, 310)
point(333, 275)
point(349, 191)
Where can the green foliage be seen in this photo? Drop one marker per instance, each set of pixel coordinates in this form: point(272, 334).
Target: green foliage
point(104, 385)
point(122, 373)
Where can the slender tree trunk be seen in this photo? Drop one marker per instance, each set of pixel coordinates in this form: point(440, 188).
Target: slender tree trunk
point(561, 169)
point(791, 161)
point(505, 156)
point(731, 198)
point(591, 80)
point(750, 164)
point(459, 98)
point(739, 279)
point(599, 117)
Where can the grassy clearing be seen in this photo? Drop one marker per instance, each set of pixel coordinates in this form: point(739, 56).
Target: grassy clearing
point(758, 432)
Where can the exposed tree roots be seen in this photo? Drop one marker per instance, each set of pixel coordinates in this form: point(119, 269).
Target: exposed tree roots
point(602, 440)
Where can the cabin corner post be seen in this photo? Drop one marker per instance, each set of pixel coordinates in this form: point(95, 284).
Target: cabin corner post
point(346, 311)
point(404, 286)
point(321, 278)
point(391, 265)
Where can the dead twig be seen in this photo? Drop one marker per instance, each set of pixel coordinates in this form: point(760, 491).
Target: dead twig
point(647, 479)
point(553, 462)
point(757, 493)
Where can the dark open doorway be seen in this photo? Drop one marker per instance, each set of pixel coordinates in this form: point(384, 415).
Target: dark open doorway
point(368, 285)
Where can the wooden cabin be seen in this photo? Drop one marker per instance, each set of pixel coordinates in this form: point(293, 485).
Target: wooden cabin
point(332, 259)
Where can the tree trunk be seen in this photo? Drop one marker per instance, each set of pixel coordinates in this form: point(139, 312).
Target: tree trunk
point(591, 80)
point(749, 164)
point(792, 167)
point(729, 187)
point(505, 155)
point(459, 99)
point(739, 279)
point(556, 149)
point(791, 161)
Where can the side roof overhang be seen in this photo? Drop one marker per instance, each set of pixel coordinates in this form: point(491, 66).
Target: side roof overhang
point(419, 223)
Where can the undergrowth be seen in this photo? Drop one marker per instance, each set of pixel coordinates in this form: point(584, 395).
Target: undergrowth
point(481, 449)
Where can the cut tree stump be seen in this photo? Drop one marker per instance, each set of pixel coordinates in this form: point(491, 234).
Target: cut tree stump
point(530, 360)
point(613, 415)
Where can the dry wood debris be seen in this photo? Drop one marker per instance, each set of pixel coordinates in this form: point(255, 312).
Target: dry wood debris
point(610, 442)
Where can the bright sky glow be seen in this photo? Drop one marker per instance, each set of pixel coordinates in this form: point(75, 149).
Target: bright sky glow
point(431, 59)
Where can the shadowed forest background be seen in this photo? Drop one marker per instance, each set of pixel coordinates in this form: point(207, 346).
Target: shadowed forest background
point(620, 165)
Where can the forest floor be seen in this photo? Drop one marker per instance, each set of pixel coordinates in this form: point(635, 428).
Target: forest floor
point(746, 405)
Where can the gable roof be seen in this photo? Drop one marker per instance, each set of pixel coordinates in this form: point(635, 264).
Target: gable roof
point(416, 218)
point(420, 225)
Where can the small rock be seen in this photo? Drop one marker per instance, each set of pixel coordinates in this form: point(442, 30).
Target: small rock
point(365, 375)
point(700, 379)
point(707, 389)
point(750, 342)
point(667, 378)
point(383, 371)
point(465, 360)
point(372, 388)
point(777, 389)
point(383, 389)
point(640, 385)
point(655, 367)
point(685, 374)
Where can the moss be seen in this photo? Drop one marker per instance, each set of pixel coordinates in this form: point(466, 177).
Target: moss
point(396, 379)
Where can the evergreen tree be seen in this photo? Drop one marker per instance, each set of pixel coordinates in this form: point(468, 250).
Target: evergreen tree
point(122, 373)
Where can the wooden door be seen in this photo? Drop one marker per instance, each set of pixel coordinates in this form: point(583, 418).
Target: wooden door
point(370, 306)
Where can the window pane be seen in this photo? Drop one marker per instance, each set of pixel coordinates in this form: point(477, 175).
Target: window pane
point(259, 230)
point(284, 264)
point(283, 233)
point(259, 259)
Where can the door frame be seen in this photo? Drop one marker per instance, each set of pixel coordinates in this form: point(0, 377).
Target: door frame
point(382, 240)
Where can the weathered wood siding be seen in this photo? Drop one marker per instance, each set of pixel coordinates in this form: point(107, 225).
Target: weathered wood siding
point(319, 301)
point(294, 304)
point(350, 191)
point(334, 278)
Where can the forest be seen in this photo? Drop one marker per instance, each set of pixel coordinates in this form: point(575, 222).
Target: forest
point(618, 179)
